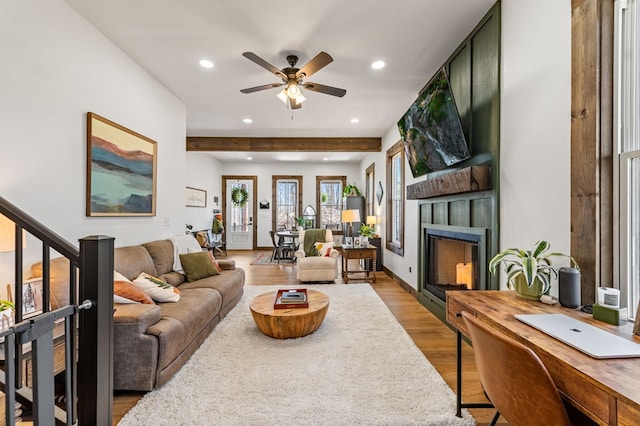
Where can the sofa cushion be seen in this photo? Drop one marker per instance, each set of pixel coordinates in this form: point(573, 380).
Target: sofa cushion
point(161, 252)
point(324, 249)
point(131, 261)
point(228, 283)
point(129, 291)
point(197, 265)
point(214, 260)
point(159, 290)
point(181, 322)
point(173, 278)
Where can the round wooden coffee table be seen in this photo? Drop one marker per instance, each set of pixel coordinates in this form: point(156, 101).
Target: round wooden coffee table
point(292, 322)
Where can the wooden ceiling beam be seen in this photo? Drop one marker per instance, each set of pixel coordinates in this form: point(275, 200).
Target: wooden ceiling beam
point(206, 143)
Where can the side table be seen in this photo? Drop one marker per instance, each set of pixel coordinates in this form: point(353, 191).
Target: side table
point(367, 252)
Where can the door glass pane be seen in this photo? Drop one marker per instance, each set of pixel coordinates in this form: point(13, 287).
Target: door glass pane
point(287, 202)
point(330, 204)
point(240, 210)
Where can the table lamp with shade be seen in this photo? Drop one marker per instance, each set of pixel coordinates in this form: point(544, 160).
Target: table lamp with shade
point(350, 216)
point(8, 235)
point(372, 221)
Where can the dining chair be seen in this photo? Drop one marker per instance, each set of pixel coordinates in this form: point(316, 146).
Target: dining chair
point(279, 250)
point(515, 380)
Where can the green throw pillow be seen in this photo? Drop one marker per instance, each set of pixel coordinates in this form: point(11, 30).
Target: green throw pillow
point(197, 265)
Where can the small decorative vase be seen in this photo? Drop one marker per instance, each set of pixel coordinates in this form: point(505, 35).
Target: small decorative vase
point(534, 292)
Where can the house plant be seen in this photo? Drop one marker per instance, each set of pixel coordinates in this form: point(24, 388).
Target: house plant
point(351, 190)
point(529, 271)
point(299, 221)
point(367, 231)
point(6, 315)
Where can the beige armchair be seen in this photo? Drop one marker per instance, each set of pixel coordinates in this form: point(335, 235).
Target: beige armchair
point(317, 268)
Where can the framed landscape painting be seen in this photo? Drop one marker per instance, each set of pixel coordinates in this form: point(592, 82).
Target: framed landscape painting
point(121, 170)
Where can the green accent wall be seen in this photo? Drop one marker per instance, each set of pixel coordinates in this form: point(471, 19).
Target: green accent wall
point(474, 74)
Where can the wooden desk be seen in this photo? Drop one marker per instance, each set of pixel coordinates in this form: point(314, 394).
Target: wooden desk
point(608, 391)
point(362, 252)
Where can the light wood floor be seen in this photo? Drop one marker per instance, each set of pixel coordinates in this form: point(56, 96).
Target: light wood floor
point(435, 340)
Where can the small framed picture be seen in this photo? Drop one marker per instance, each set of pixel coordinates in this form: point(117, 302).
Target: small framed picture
point(31, 297)
point(356, 241)
point(348, 241)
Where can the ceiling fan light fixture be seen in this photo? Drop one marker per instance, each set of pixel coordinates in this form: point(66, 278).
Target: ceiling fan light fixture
point(299, 99)
point(283, 95)
point(293, 91)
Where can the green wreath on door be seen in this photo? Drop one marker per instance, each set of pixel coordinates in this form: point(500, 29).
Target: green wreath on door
point(239, 196)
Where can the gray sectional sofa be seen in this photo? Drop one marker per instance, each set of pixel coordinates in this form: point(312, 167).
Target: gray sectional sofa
point(152, 342)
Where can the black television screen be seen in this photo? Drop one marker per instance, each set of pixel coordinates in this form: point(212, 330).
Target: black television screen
point(431, 130)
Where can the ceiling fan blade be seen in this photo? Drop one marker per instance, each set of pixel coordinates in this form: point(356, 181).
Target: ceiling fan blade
point(320, 61)
point(263, 87)
point(264, 64)
point(327, 90)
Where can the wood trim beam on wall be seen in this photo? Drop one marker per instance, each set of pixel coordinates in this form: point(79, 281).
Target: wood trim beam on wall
point(592, 142)
point(207, 143)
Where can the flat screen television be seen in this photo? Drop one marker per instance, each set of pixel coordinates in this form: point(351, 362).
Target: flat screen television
point(431, 130)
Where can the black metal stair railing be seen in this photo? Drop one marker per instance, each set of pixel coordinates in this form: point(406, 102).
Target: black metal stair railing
point(88, 328)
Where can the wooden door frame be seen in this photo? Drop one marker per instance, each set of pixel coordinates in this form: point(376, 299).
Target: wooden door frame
point(254, 213)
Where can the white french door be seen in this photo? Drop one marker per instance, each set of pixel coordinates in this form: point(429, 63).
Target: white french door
point(239, 213)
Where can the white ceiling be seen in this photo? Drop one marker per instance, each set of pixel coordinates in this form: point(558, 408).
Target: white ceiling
point(168, 38)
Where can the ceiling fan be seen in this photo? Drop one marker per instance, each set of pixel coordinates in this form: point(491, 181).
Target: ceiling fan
point(293, 78)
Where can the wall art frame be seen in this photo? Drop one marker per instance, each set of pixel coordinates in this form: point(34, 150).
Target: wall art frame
point(121, 170)
point(195, 197)
point(379, 193)
point(32, 297)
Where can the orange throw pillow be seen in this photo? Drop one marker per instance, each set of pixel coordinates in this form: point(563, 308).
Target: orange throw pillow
point(129, 291)
point(215, 262)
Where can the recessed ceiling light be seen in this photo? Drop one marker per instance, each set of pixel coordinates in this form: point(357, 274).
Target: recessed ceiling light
point(205, 63)
point(325, 159)
point(249, 158)
point(354, 120)
point(247, 120)
point(378, 65)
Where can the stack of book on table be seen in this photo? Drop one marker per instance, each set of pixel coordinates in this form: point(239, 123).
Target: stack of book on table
point(291, 298)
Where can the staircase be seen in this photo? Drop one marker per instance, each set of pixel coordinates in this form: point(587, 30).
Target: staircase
point(88, 325)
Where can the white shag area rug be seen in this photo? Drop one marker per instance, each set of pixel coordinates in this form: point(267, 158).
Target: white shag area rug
point(359, 368)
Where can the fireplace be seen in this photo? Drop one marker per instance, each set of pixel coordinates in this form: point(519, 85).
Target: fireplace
point(454, 258)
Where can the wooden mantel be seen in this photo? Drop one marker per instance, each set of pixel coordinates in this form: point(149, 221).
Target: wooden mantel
point(469, 179)
point(207, 143)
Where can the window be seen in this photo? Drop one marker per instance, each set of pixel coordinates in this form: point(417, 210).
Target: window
point(395, 199)
point(627, 166)
point(287, 201)
point(370, 191)
point(329, 202)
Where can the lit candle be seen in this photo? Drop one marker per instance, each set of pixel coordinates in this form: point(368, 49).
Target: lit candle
point(463, 274)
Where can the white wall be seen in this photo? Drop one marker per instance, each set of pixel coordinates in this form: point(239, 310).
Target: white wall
point(308, 171)
point(55, 68)
point(535, 156)
point(203, 172)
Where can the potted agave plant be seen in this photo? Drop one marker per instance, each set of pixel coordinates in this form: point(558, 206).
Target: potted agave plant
point(529, 272)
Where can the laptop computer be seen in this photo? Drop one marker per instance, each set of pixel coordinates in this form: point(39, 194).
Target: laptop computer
point(584, 337)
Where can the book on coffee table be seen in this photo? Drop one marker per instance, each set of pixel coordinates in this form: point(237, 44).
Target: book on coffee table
point(291, 298)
